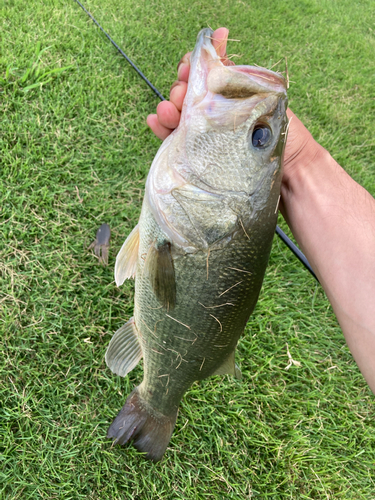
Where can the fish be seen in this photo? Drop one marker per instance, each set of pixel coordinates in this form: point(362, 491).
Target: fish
point(101, 244)
point(200, 249)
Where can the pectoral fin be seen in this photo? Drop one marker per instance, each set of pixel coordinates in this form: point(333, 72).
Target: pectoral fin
point(124, 351)
point(160, 271)
point(229, 367)
point(126, 260)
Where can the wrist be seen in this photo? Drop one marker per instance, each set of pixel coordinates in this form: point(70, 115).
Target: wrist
point(306, 169)
point(301, 151)
point(309, 186)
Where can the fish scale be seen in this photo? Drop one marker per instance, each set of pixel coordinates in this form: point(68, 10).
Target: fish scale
point(201, 247)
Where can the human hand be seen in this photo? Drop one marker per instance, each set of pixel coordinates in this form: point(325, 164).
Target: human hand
point(168, 113)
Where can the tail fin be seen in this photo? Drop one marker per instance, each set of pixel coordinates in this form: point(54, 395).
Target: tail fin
point(139, 421)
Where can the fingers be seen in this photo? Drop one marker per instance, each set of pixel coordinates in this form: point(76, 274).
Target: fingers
point(177, 95)
point(158, 129)
point(183, 68)
point(168, 113)
point(219, 41)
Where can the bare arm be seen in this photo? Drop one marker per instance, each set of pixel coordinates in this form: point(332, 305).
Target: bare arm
point(333, 219)
point(331, 216)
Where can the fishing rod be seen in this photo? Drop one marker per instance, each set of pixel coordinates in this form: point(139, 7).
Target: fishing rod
point(284, 238)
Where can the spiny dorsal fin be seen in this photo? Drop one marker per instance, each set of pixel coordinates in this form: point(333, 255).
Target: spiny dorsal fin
point(160, 271)
point(124, 351)
point(229, 367)
point(126, 260)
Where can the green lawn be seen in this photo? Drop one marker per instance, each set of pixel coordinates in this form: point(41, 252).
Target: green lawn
point(74, 153)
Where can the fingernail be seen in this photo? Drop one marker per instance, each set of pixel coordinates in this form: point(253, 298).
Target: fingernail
point(184, 61)
point(179, 69)
point(174, 84)
point(179, 63)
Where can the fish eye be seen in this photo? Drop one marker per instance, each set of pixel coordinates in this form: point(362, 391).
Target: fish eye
point(261, 136)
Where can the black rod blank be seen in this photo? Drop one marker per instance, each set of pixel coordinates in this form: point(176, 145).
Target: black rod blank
point(288, 242)
point(297, 252)
point(154, 89)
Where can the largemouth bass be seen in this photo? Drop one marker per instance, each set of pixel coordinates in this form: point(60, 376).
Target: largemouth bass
point(201, 247)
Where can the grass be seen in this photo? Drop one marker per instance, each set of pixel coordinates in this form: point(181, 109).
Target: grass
point(74, 153)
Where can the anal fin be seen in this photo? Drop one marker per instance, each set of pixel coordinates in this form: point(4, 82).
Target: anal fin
point(160, 271)
point(229, 367)
point(124, 351)
point(126, 260)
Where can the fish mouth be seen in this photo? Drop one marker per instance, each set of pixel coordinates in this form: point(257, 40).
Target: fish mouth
point(209, 72)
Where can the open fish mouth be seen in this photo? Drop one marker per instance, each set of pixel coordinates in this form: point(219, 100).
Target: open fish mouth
point(221, 94)
point(210, 76)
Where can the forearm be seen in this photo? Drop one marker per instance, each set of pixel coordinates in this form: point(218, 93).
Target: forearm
point(333, 220)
